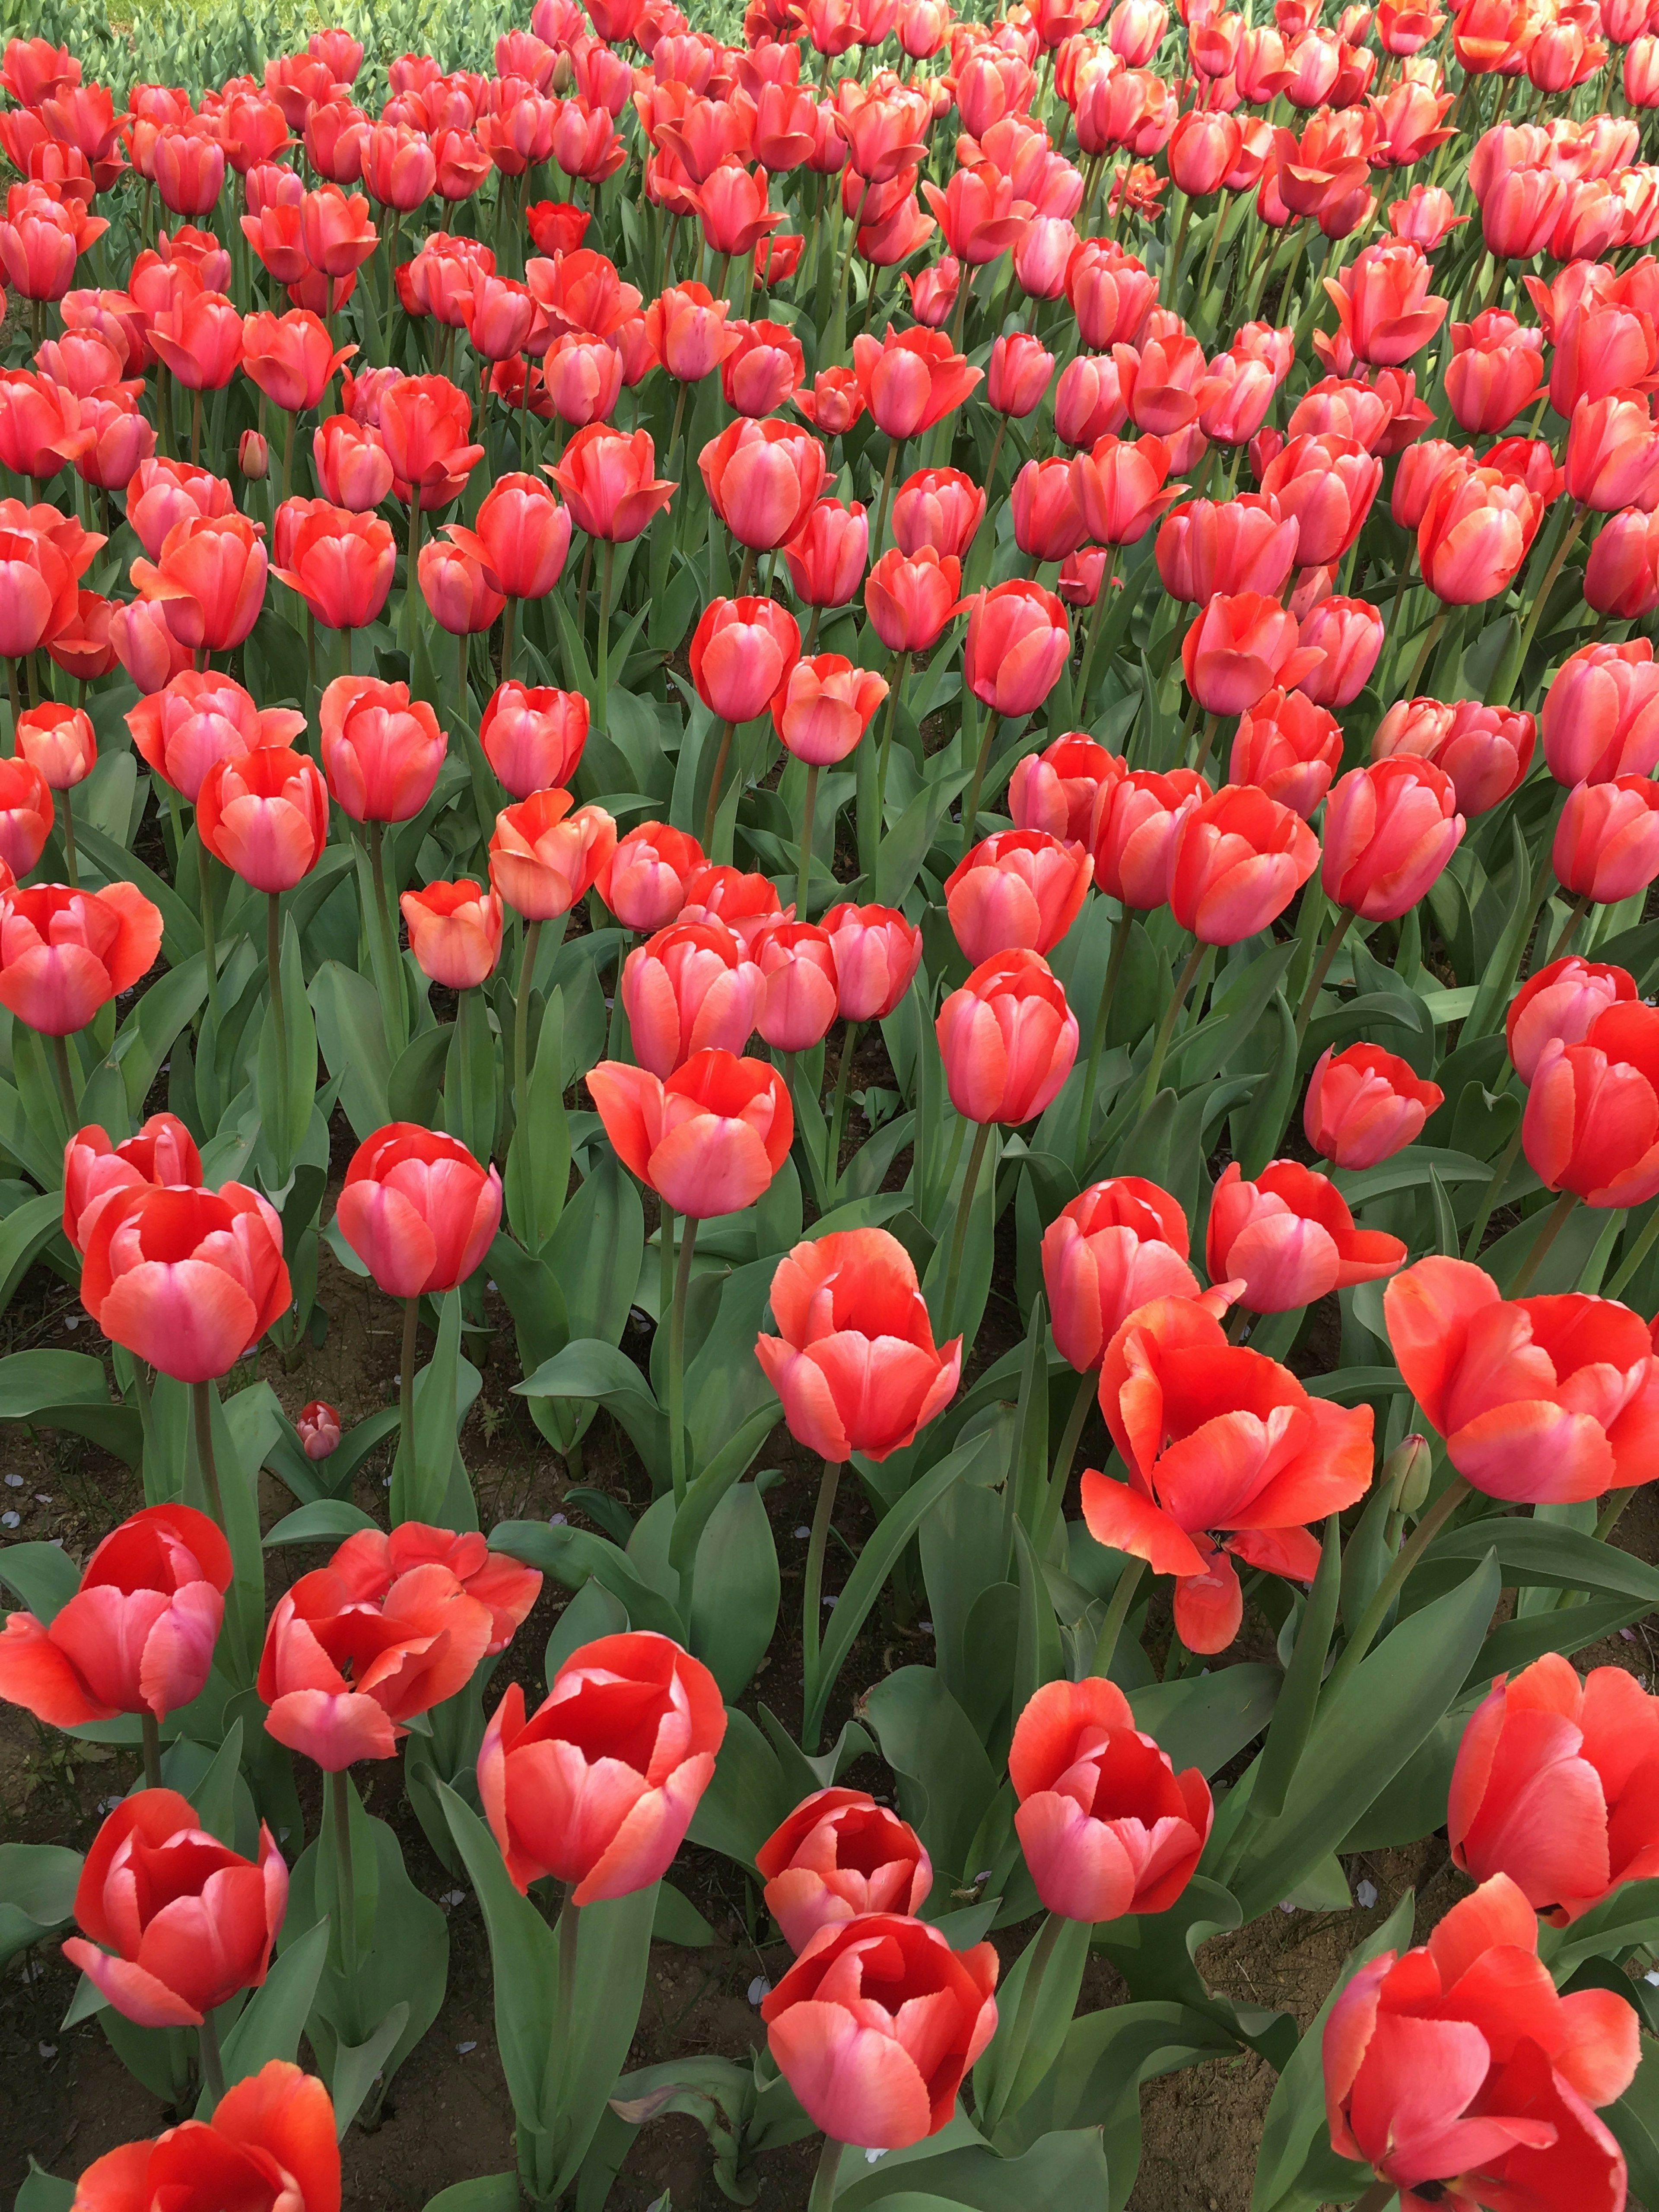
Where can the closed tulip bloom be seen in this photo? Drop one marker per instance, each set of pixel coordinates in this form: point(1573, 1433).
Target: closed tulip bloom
point(854, 1360)
point(1008, 1038)
point(1018, 375)
point(290, 357)
point(139, 1634)
point(198, 339)
point(1591, 1124)
point(1107, 1825)
point(1328, 482)
point(200, 718)
point(65, 953)
point(1422, 470)
point(1287, 1235)
point(26, 814)
point(834, 403)
point(1606, 841)
point(845, 2027)
point(582, 378)
point(189, 1280)
point(1216, 1439)
point(542, 858)
point(1560, 1005)
point(762, 480)
point(824, 706)
point(455, 932)
point(1120, 488)
point(936, 509)
point(417, 1209)
point(342, 566)
point(1115, 1246)
point(1347, 635)
point(910, 598)
point(1018, 887)
point(187, 1921)
point(1245, 544)
point(1390, 828)
point(877, 952)
point(1476, 531)
point(162, 1153)
point(424, 422)
point(598, 1786)
point(210, 580)
point(1049, 524)
point(1486, 751)
point(525, 535)
point(353, 466)
point(688, 330)
point(731, 205)
point(643, 882)
point(533, 736)
point(57, 743)
point(1612, 453)
point(1111, 294)
point(1458, 2064)
point(1235, 862)
point(1539, 1399)
point(270, 2144)
point(911, 380)
point(1601, 715)
point(741, 653)
point(1239, 647)
point(381, 751)
point(1063, 788)
point(1365, 1104)
point(264, 815)
point(1621, 576)
point(1288, 747)
point(1092, 399)
point(827, 556)
point(408, 1643)
point(1017, 642)
point(1135, 833)
point(838, 1855)
point(457, 583)
point(1553, 1786)
point(1495, 370)
point(709, 1139)
point(799, 999)
point(1383, 304)
point(763, 369)
point(691, 988)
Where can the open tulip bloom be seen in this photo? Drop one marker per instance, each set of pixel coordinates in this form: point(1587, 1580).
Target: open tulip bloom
point(906, 756)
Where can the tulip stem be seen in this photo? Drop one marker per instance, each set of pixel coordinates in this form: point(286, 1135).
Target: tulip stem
point(69, 840)
point(1097, 622)
point(1212, 724)
point(809, 807)
point(812, 1600)
point(570, 1930)
point(60, 1062)
point(893, 446)
point(411, 591)
point(1428, 1527)
point(713, 807)
point(274, 969)
point(213, 2070)
point(1166, 1028)
point(838, 1107)
point(1515, 660)
point(1060, 1474)
point(1500, 1176)
point(1086, 1111)
point(1554, 1222)
point(1117, 1613)
point(1019, 2033)
point(959, 1239)
point(201, 1406)
point(602, 665)
point(396, 1009)
point(1570, 926)
point(1377, 2198)
point(533, 931)
point(1613, 1512)
point(1328, 953)
point(151, 1728)
point(204, 877)
point(970, 812)
point(895, 688)
point(337, 1788)
point(406, 1409)
point(677, 1358)
point(1429, 641)
point(823, 2181)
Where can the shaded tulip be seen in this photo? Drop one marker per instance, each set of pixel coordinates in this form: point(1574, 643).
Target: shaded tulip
point(187, 1921)
point(525, 535)
point(691, 988)
point(1008, 1038)
point(1390, 828)
point(709, 1139)
point(1245, 544)
point(137, 1636)
point(1107, 1825)
point(26, 813)
point(911, 380)
point(1018, 887)
point(533, 736)
point(65, 953)
point(342, 565)
point(269, 2143)
point(799, 998)
point(197, 720)
point(834, 403)
point(381, 751)
point(827, 555)
point(540, 861)
point(1288, 1238)
point(938, 508)
point(838, 1856)
point(1239, 647)
point(1612, 453)
point(1117, 1245)
point(644, 881)
point(1607, 842)
point(1621, 576)
point(1560, 1005)
point(1591, 1124)
point(1018, 375)
point(455, 932)
point(1484, 750)
point(1475, 532)
point(823, 707)
point(210, 579)
point(910, 598)
point(162, 1153)
point(854, 1361)
point(1288, 747)
point(877, 952)
point(1017, 642)
point(1135, 833)
point(1111, 294)
point(1064, 788)
point(1365, 1104)
point(189, 1280)
point(1216, 1438)
point(417, 1209)
point(318, 1429)
point(1235, 862)
point(264, 815)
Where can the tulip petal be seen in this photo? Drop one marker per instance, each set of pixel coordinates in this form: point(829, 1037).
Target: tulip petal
point(38, 1674)
point(854, 2082)
point(135, 1993)
point(334, 1729)
point(1121, 1518)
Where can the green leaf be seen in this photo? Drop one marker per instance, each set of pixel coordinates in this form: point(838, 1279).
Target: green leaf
point(351, 1031)
point(1627, 1917)
point(590, 1369)
point(24, 1234)
point(678, 1921)
point(271, 2021)
point(1543, 1552)
point(44, 2193)
point(946, 1780)
point(152, 1028)
point(44, 1577)
point(1205, 1720)
point(953, 2172)
point(727, 1466)
point(1005, 2078)
point(420, 1492)
point(1299, 1702)
point(523, 1957)
point(539, 1157)
point(1634, 2119)
point(326, 1520)
point(181, 932)
point(356, 2066)
point(490, 2192)
point(747, 1797)
point(285, 1089)
point(37, 1893)
point(571, 1556)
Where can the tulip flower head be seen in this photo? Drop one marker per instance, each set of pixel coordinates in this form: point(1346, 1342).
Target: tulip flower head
point(1115, 1246)
point(417, 1209)
point(1286, 1238)
point(270, 2142)
point(708, 1140)
point(1365, 1104)
point(190, 1280)
point(837, 1856)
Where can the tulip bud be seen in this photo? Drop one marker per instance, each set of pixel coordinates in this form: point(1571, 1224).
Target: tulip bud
point(1408, 1467)
point(253, 457)
point(318, 1425)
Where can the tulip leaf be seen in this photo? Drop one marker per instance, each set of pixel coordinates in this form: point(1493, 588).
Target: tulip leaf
point(42, 1576)
point(181, 932)
point(356, 2065)
point(153, 1026)
point(271, 2021)
point(590, 1369)
point(350, 1030)
point(44, 2193)
point(678, 1921)
point(1634, 2119)
point(952, 2169)
point(37, 1893)
point(946, 1780)
point(1031, 2022)
point(571, 1556)
point(1208, 1719)
point(285, 1088)
point(24, 1234)
point(1628, 1916)
point(1544, 1554)
point(747, 1797)
point(324, 1521)
point(488, 2192)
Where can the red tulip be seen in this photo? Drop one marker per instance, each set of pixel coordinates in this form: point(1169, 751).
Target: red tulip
point(598, 1786)
point(264, 815)
point(1384, 303)
point(763, 368)
point(342, 566)
point(1328, 482)
point(65, 953)
point(1107, 1825)
point(742, 903)
point(1135, 833)
point(143, 645)
point(353, 466)
point(643, 883)
point(455, 932)
point(381, 751)
point(417, 1209)
point(1008, 1038)
point(270, 2147)
point(1591, 1124)
point(1017, 377)
point(838, 1856)
point(688, 330)
point(910, 598)
point(877, 952)
point(1484, 750)
point(1245, 544)
point(824, 706)
point(1560, 1005)
point(1621, 576)
point(1607, 842)
point(741, 653)
point(1390, 828)
point(457, 583)
point(731, 205)
point(911, 380)
point(290, 357)
point(799, 999)
point(762, 480)
point(372, 1562)
point(533, 736)
point(709, 1139)
point(827, 555)
point(541, 863)
point(1019, 887)
point(1121, 488)
point(1348, 636)
point(1553, 1786)
point(211, 579)
point(318, 1429)
point(854, 1361)
point(1475, 532)
point(1365, 1104)
point(199, 719)
point(691, 988)
point(1459, 2062)
point(834, 403)
point(137, 1637)
point(1289, 748)
point(606, 479)
point(26, 814)
point(877, 2022)
point(1065, 788)
point(1017, 642)
point(525, 535)
point(162, 1153)
point(934, 292)
point(1236, 861)
point(1216, 1436)
point(423, 426)
point(1111, 292)
point(1496, 368)
point(188, 1921)
point(189, 1280)
point(978, 213)
point(1287, 1237)
point(1242, 646)
point(1115, 1246)
point(1601, 715)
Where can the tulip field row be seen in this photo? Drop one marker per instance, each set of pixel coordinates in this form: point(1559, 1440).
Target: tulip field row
point(911, 759)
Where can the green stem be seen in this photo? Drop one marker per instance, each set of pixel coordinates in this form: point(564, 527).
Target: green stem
point(406, 1397)
point(894, 692)
point(1377, 2198)
point(396, 1014)
point(533, 931)
point(68, 841)
point(1328, 953)
point(412, 590)
point(213, 2069)
point(959, 1240)
point(1212, 724)
point(812, 1596)
point(713, 807)
point(1554, 1222)
point(337, 1789)
point(1489, 1200)
point(1431, 638)
point(1215, 241)
point(676, 1359)
point(201, 1407)
point(1060, 1474)
point(60, 1065)
point(210, 950)
point(1117, 1613)
point(1439, 1513)
point(808, 808)
point(569, 1940)
point(1633, 1259)
point(602, 680)
point(838, 1106)
point(1098, 1043)
point(1570, 928)
point(1096, 625)
point(152, 1735)
point(1612, 1511)
point(894, 445)
point(274, 971)
point(970, 812)
point(823, 2181)
point(1019, 2034)
point(1166, 1028)
point(1516, 660)
point(666, 1262)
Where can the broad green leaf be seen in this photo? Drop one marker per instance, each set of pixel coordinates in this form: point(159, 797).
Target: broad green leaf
point(271, 2021)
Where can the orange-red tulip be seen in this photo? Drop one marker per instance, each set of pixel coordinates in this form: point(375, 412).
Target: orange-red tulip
point(709, 1139)
point(417, 1209)
point(189, 1280)
point(65, 953)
